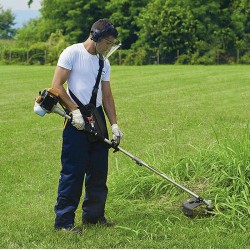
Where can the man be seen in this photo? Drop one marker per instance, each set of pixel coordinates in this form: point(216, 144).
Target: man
point(79, 65)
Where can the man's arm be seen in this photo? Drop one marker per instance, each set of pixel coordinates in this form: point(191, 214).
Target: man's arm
point(109, 107)
point(60, 77)
point(108, 102)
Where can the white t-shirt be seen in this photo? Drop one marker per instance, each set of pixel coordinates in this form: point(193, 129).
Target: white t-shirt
point(84, 69)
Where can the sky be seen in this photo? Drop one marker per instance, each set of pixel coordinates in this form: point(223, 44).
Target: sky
point(20, 4)
point(21, 10)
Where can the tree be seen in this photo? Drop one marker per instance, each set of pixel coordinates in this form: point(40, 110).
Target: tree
point(166, 26)
point(240, 19)
point(30, 2)
point(194, 27)
point(30, 33)
point(124, 14)
point(6, 22)
point(74, 18)
point(221, 25)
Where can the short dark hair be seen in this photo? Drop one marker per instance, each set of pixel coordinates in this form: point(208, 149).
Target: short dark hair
point(102, 29)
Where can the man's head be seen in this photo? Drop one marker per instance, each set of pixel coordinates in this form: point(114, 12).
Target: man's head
point(103, 33)
point(101, 29)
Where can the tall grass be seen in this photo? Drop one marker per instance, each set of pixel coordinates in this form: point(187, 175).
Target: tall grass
point(190, 122)
point(233, 173)
point(222, 171)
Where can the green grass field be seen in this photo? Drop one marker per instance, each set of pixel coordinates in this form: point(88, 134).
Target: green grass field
point(191, 122)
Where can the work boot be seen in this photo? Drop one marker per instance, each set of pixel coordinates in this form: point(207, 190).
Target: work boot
point(75, 230)
point(102, 221)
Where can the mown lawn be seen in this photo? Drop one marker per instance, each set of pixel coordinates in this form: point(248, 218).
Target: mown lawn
point(191, 122)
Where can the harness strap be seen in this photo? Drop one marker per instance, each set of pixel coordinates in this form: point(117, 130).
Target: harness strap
point(96, 87)
point(84, 111)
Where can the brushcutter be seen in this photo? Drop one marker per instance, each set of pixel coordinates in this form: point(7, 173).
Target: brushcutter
point(47, 101)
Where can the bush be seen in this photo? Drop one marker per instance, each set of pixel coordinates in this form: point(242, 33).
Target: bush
point(136, 57)
point(56, 44)
point(129, 57)
point(208, 58)
point(15, 55)
point(37, 53)
point(183, 59)
point(245, 59)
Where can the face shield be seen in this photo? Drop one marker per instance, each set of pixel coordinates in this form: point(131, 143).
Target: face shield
point(107, 47)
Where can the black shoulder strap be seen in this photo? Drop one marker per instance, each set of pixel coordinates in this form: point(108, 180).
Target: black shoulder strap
point(75, 99)
point(82, 107)
point(95, 89)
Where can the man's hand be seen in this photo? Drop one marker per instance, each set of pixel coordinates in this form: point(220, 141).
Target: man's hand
point(77, 119)
point(117, 134)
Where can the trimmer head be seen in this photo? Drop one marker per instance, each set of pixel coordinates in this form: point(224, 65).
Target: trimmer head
point(190, 209)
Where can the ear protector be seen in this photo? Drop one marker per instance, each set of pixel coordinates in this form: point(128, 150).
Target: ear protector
point(98, 34)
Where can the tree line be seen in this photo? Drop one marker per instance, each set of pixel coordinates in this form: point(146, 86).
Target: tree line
point(151, 31)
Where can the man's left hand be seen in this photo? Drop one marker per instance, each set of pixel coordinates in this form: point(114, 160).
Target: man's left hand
point(117, 134)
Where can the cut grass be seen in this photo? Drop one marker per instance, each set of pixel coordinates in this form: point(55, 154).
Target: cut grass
point(191, 122)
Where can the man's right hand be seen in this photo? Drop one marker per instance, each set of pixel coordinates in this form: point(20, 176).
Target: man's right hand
point(77, 119)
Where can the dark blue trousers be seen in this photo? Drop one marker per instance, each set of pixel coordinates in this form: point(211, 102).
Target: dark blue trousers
point(81, 158)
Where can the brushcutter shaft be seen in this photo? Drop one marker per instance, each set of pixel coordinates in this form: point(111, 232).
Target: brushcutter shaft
point(67, 116)
point(140, 163)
